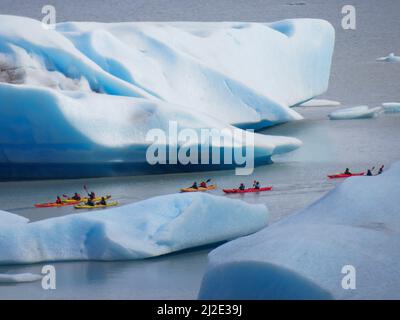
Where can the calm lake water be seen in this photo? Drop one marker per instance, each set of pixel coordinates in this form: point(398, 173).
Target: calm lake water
point(298, 178)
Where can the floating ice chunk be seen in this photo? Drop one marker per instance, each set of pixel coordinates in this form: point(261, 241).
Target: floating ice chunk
point(320, 103)
point(303, 256)
point(21, 277)
point(360, 112)
point(390, 58)
point(144, 229)
point(391, 107)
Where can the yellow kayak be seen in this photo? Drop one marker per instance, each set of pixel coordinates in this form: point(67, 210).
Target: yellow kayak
point(97, 199)
point(97, 206)
point(199, 189)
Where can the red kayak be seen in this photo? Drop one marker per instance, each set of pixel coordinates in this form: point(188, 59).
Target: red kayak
point(247, 190)
point(342, 175)
point(54, 204)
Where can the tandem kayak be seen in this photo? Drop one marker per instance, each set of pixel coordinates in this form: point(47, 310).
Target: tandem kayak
point(97, 199)
point(342, 175)
point(97, 206)
point(247, 190)
point(54, 204)
point(199, 189)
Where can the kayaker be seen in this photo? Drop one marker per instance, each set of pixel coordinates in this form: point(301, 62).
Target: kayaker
point(369, 173)
point(76, 196)
point(256, 185)
point(194, 186)
point(381, 170)
point(92, 195)
point(90, 202)
point(203, 184)
point(347, 171)
point(103, 201)
point(242, 187)
point(58, 201)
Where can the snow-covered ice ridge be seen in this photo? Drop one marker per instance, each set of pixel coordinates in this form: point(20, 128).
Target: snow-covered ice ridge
point(96, 89)
point(301, 257)
point(140, 230)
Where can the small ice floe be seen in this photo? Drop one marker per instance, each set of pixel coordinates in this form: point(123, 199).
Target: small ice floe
point(19, 278)
point(320, 103)
point(300, 3)
point(390, 58)
point(360, 112)
point(391, 107)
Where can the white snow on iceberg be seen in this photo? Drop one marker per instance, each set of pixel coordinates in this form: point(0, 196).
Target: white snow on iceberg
point(390, 58)
point(144, 229)
point(391, 107)
point(359, 112)
point(196, 64)
point(302, 256)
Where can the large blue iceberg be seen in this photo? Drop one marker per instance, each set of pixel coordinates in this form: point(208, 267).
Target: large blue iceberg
point(352, 231)
point(78, 100)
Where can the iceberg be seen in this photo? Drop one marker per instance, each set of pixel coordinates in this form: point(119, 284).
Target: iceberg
point(308, 254)
point(81, 98)
point(149, 228)
point(360, 112)
point(390, 58)
point(391, 107)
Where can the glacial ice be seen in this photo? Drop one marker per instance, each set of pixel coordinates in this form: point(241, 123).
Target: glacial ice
point(302, 257)
point(79, 100)
point(391, 107)
point(359, 112)
point(140, 230)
